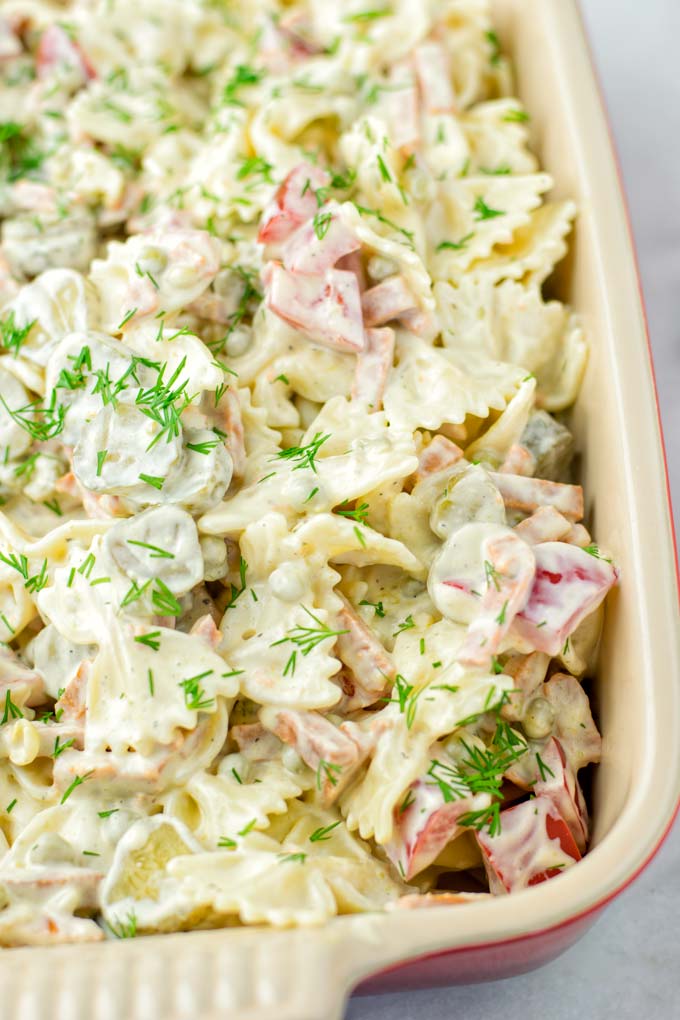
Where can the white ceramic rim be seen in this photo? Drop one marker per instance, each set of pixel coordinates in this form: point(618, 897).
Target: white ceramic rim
point(307, 974)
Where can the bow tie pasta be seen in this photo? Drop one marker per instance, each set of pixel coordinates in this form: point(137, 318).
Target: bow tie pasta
point(296, 595)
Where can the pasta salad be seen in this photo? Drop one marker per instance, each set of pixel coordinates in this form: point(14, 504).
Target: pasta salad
point(296, 598)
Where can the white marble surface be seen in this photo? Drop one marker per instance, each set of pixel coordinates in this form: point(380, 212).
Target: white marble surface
point(628, 965)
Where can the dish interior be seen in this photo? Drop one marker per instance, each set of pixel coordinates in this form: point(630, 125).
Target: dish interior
point(636, 686)
point(624, 712)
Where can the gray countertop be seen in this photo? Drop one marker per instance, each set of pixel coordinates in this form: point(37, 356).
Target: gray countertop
point(627, 965)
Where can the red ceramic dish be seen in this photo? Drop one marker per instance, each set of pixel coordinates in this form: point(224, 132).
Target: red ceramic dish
point(562, 29)
point(493, 961)
point(307, 974)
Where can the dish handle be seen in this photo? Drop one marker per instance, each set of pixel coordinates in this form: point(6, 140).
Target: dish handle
point(246, 973)
point(305, 979)
point(249, 974)
point(308, 974)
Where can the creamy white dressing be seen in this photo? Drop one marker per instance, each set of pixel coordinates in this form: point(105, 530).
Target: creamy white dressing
point(272, 349)
point(458, 576)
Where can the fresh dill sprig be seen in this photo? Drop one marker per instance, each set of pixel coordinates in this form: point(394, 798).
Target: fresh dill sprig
point(406, 697)
point(358, 514)
point(151, 639)
point(407, 624)
point(13, 337)
point(328, 771)
point(323, 833)
point(377, 607)
point(124, 929)
point(304, 456)
point(77, 781)
point(322, 222)
point(242, 77)
point(306, 639)
point(47, 426)
point(484, 211)
point(194, 695)
point(12, 711)
point(235, 593)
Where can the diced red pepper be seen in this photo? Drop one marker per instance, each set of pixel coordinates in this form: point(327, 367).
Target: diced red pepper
point(568, 586)
point(327, 308)
point(294, 203)
point(57, 51)
point(534, 844)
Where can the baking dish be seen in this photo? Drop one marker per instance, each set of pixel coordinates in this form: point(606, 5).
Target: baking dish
point(306, 974)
